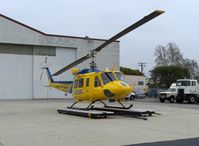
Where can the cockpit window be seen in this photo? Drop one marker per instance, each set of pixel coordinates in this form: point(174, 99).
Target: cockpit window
point(119, 76)
point(108, 77)
point(105, 78)
point(111, 75)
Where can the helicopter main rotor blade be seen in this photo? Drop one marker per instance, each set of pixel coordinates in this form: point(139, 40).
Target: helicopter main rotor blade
point(130, 28)
point(112, 39)
point(71, 65)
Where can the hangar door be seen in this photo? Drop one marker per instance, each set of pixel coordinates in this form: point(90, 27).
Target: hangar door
point(15, 71)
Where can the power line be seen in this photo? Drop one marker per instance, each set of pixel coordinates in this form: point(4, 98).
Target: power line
point(142, 65)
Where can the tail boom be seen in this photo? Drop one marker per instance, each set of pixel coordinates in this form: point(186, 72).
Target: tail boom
point(65, 86)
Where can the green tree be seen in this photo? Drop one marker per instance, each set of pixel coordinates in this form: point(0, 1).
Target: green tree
point(164, 76)
point(129, 71)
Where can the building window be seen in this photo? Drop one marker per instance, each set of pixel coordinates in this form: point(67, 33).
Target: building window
point(16, 49)
point(140, 83)
point(44, 51)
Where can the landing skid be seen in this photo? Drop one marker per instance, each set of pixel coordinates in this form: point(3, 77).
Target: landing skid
point(102, 112)
point(140, 114)
point(94, 114)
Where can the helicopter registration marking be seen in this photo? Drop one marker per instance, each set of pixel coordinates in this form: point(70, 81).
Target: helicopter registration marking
point(79, 91)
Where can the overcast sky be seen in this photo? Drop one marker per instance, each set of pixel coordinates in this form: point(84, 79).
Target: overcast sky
point(105, 18)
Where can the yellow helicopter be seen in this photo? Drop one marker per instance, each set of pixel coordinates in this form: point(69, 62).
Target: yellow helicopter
point(92, 84)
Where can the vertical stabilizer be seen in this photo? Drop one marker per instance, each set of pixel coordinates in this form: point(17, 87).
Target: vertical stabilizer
point(50, 78)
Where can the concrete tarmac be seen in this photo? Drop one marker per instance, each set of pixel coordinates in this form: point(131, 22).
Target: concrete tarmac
point(37, 123)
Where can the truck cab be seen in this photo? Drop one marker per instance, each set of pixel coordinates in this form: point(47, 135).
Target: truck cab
point(188, 90)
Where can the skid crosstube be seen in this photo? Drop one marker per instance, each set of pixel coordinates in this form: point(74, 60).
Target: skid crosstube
point(86, 113)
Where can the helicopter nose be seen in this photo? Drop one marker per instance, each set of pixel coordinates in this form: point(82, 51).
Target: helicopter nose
point(118, 88)
point(124, 89)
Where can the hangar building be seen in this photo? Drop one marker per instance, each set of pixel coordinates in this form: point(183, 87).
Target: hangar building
point(22, 54)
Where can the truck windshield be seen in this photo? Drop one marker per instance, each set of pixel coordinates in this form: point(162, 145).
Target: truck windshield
point(108, 77)
point(171, 90)
point(183, 83)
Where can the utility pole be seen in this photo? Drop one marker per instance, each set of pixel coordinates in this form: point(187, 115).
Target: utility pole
point(142, 65)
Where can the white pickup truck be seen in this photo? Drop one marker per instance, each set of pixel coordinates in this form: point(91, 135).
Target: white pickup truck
point(169, 94)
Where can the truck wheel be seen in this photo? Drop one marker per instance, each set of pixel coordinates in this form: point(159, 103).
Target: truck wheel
point(179, 100)
point(192, 99)
point(162, 100)
point(132, 97)
point(197, 99)
point(171, 99)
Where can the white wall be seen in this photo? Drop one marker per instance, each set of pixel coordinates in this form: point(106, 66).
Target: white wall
point(133, 81)
point(15, 76)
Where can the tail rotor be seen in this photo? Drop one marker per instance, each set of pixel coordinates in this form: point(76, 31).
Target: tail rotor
point(43, 67)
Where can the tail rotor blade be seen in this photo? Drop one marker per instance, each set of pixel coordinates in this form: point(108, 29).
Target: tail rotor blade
point(43, 67)
point(45, 62)
point(41, 75)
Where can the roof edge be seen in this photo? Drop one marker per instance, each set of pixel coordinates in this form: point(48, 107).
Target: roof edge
point(46, 34)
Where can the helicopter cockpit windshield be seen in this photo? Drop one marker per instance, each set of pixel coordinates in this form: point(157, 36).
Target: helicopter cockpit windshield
point(119, 75)
point(108, 77)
